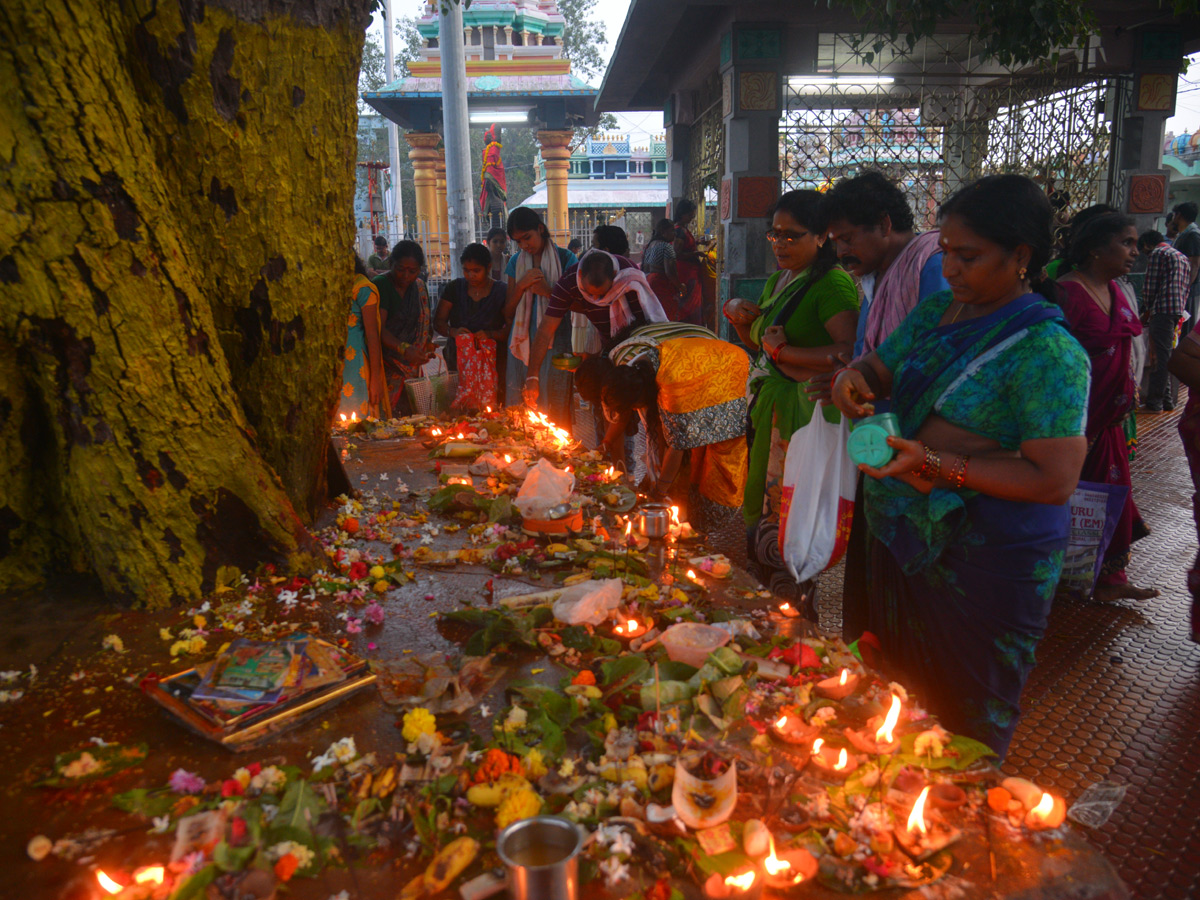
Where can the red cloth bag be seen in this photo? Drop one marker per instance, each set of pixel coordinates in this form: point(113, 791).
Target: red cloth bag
point(477, 379)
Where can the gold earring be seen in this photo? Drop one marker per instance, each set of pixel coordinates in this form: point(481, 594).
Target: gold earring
point(1022, 273)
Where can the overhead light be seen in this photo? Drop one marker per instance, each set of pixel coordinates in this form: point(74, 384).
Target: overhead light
point(840, 80)
point(486, 116)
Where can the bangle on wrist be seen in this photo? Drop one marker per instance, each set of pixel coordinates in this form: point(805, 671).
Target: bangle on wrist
point(958, 474)
point(931, 467)
point(532, 378)
point(775, 354)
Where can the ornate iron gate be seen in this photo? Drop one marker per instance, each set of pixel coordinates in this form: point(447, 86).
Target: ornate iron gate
point(934, 116)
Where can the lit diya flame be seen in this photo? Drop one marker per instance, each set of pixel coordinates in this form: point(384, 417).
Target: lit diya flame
point(742, 882)
point(784, 606)
point(489, 409)
point(1045, 806)
point(916, 818)
point(884, 734)
point(343, 415)
point(461, 436)
point(507, 458)
point(353, 417)
point(817, 745)
point(691, 574)
point(843, 759)
point(436, 432)
point(782, 721)
point(773, 864)
point(628, 529)
point(675, 514)
point(845, 675)
point(107, 883)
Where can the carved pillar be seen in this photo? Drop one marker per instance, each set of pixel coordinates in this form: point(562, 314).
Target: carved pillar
point(424, 157)
point(442, 212)
point(556, 155)
point(508, 35)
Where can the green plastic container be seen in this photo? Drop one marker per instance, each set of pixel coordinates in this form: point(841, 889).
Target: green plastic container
point(868, 444)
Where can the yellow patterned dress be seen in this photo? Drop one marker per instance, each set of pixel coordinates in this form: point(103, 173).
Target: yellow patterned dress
point(702, 405)
point(355, 370)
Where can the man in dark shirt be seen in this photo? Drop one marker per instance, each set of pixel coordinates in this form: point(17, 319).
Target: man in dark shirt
point(1188, 243)
point(378, 263)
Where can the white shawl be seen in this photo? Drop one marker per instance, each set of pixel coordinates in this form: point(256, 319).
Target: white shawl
point(626, 280)
point(551, 267)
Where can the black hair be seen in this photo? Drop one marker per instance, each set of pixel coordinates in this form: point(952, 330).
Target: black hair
point(590, 376)
point(575, 245)
point(626, 387)
point(525, 219)
point(1188, 210)
point(1094, 234)
point(865, 199)
point(808, 208)
point(663, 224)
point(360, 267)
point(496, 232)
point(612, 238)
point(407, 250)
point(380, 240)
point(684, 207)
point(1150, 238)
point(597, 268)
point(1009, 210)
point(476, 253)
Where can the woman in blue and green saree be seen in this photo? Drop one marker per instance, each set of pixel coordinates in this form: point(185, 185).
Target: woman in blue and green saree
point(969, 520)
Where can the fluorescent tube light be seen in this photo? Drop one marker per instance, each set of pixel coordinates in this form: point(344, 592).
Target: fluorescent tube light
point(485, 117)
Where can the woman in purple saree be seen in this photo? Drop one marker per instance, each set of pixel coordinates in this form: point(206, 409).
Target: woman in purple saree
point(1105, 322)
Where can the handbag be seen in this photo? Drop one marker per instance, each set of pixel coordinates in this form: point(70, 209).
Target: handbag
point(477, 378)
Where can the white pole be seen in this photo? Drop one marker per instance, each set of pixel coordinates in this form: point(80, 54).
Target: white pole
point(393, 134)
point(455, 132)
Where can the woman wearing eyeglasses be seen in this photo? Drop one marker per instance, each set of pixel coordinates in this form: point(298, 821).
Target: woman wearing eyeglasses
point(806, 316)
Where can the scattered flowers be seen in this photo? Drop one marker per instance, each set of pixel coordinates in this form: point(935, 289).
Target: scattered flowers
point(417, 722)
point(112, 642)
point(185, 782)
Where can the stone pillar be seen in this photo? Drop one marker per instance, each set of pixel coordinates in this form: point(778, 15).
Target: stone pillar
point(751, 99)
point(442, 213)
point(1142, 183)
point(508, 35)
point(556, 155)
point(424, 157)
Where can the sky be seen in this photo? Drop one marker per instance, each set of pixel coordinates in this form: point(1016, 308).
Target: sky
point(640, 126)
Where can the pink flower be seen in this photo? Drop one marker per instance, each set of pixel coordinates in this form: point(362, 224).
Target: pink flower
point(353, 626)
point(374, 614)
point(184, 782)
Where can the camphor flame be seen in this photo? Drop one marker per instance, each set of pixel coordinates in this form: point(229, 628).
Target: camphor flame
point(784, 606)
point(107, 883)
point(631, 626)
point(489, 409)
point(461, 436)
point(773, 864)
point(843, 759)
point(436, 432)
point(817, 745)
point(675, 514)
point(149, 875)
point(742, 882)
point(691, 574)
point(884, 734)
point(845, 675)
point(1044, 808)
point(507, 458)
point(916, 818)
point(781, 721)
point(343, 415)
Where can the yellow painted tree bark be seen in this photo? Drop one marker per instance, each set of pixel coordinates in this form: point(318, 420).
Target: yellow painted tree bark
point(175, 234)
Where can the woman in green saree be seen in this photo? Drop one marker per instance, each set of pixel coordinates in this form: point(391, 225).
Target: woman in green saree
point(806, 317)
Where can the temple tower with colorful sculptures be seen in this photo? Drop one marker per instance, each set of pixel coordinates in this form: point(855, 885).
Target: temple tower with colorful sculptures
point(516, 76)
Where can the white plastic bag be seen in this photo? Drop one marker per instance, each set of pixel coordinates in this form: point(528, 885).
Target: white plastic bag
point(817, 499)
point(544, 487)
point(436, 364)
point(588, 601)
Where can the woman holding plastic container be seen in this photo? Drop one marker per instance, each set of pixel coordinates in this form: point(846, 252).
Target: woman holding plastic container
point(806, 316)
point(969, 519)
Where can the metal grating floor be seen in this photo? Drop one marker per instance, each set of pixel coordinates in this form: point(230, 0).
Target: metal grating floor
point(1115, 696)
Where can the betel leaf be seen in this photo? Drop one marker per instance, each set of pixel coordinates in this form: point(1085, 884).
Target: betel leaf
point(960, 752)
point(143, 802)
point(194, 887)
point(576, 637)
point(622, 671)
point(233, 859)
point(300, 808)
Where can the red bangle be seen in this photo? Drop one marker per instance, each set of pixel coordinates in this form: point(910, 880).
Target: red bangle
point(838, 372)
point(775, 353)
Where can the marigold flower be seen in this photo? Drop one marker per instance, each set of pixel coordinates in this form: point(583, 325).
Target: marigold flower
point(417, 722)
point(520, 805)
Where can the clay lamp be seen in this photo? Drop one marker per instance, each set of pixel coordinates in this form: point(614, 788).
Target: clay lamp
point(740, 886)
point(789, 868)
point(924, 836)
point(946, 796)
point(1049, 812)
point(838, 687)
point(832, 763)
point(884, 740)
point(146, 883)
point(633, 627)
point(786, 609)
point(791, 728)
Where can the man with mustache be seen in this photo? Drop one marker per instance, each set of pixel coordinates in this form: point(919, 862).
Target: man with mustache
point(871, 224)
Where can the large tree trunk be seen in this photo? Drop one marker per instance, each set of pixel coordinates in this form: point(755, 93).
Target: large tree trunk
point(175, 237)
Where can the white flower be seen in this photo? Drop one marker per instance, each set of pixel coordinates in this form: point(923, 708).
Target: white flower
point(11, 675)
point(383, 476)
point(33, 673)
point(9, 696)
point(567, 769)
point(824, 714)
point(614, 871)
point(84, 765)
point(594, 796)
point(515, 720)
point(269, 779)
point(426, 539)
point(485, 711)
point(606, 834)
point(112, 642)
point(425, 744)
point(303, 855)
point(622, 843)
point(99, 742)
point(344, 750)
point(161, 824)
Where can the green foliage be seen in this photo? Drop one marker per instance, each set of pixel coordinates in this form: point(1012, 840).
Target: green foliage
point(194, 887)
point(494, 627)
point(582, 38)
point(144, 802)
point(1012, 32)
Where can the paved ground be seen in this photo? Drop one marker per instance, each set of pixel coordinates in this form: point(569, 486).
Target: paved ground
point(1115, 696)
